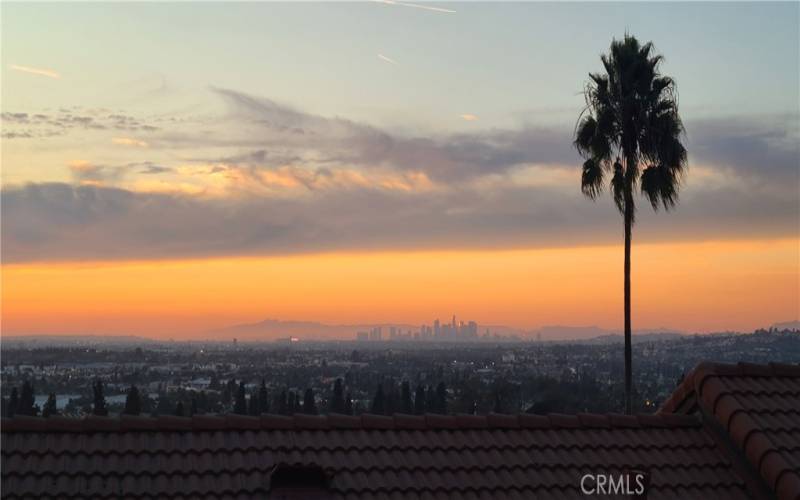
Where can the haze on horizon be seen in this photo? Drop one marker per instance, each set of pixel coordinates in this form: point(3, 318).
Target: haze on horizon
point(399, 165)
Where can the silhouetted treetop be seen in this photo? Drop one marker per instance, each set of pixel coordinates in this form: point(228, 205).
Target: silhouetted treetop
point(309, 405)
point(98, 399)
point(133, 402)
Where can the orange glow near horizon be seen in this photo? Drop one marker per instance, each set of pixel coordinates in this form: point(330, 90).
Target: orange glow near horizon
point(696, 287)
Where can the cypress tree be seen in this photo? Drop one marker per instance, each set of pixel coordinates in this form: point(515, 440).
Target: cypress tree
point(441, 398)
point(419, 400)
point(430, 400)
point(253, 405)
point(240, 406)
point(193, 408)
point(13, 403)
point(163, 407)
point(50, 408)
point(291, 403)
point(309, 406)
point(378, 403)
point(133, 402)
point(229, 391)
point(498, 406)
point(27, 399)
point(281, 403)
point(263, 398)
point(390, 399)
point(179, 409)
point(99, 400)
point(337, 401)
point(406, 405)
point(348, 405)
point(203, 404)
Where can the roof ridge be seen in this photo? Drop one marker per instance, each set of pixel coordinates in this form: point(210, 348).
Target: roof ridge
point(695, 379)
point(398, 421)
point(716, 387)
point(369, 448)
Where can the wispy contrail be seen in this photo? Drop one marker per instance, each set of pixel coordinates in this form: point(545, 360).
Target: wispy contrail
point(417, 6)
point(387, 59)
point(36, 71)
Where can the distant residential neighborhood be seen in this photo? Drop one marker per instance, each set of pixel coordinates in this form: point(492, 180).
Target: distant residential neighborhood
point(361, 377)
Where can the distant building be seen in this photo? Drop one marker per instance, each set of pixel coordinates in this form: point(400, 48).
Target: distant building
point(375, 334)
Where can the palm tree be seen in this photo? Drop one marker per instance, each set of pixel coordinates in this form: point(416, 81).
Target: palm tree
point(630, 130)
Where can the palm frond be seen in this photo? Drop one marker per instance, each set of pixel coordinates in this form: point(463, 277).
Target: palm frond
point(584, 135)
point(592, 178)
point(659, 183)
point(632, 112)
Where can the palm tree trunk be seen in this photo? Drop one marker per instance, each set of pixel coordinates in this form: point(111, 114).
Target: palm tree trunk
point(628, 361)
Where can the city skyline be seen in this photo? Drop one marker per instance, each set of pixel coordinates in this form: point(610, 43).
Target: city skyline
point(452, 331)
point(419, 161)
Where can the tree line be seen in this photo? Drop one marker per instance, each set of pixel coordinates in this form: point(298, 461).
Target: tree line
point(389, 398)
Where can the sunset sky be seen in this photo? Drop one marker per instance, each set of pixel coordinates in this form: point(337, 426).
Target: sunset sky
point(172, 168)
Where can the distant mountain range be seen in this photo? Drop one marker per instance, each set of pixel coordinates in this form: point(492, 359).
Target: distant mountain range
point(601, 335)
point(271, 329)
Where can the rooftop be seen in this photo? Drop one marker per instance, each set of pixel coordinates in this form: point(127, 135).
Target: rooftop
point(746, 446)
point(758, 408)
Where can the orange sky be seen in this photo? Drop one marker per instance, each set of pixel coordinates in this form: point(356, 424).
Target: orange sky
point(690, 286)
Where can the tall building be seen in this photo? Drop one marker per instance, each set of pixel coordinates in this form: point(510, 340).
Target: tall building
point(375, 333)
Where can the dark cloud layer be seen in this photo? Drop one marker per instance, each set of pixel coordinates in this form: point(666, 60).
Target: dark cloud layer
point(62, 222)
point(449, 158)
point(756, 148)
point(749, 187)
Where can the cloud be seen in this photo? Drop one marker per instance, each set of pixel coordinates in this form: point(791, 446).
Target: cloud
point(269, 126)
point(19, 125)
point(87, 173)
point(766, 149)
point(387, 59)
point(36, 71)
point(31, 134)
point(417, 6)
point(754, 149)
point(129, 141)
point(150, 169)
point(64, 222)
point(469, 117)
point(266, 178)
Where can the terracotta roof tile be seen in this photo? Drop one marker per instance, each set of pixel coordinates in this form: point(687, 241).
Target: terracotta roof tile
point(429, 456)
point(497, 456)
point(758, 408)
